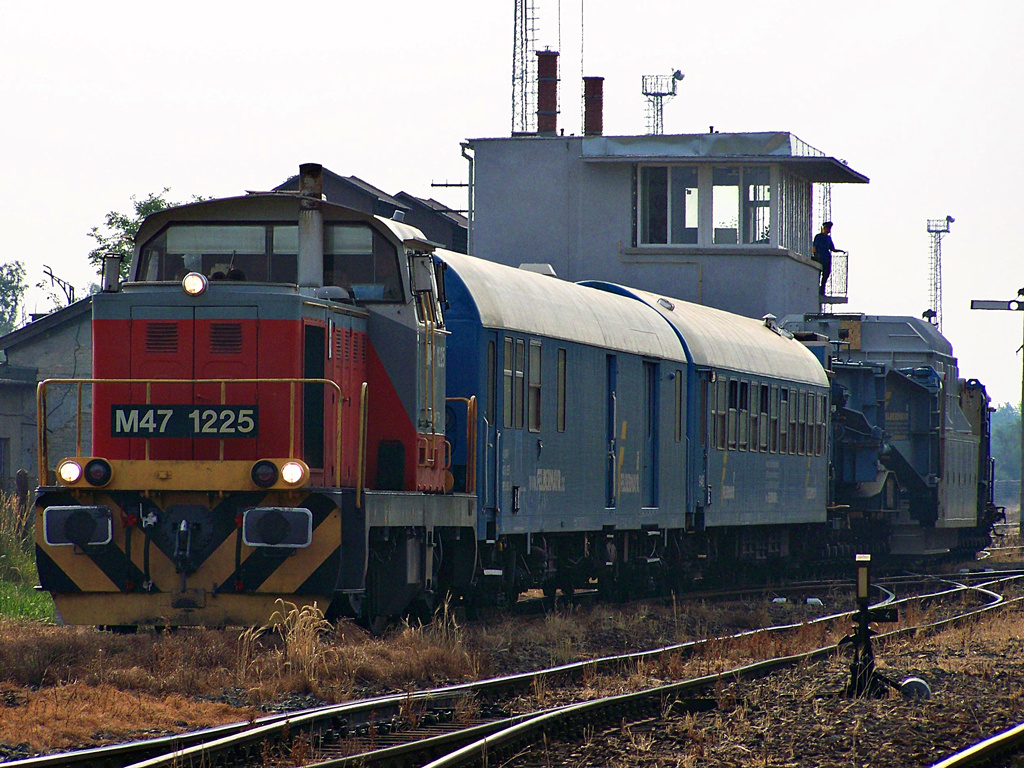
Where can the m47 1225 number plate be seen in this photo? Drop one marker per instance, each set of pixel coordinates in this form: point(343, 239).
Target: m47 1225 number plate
point(220, 421)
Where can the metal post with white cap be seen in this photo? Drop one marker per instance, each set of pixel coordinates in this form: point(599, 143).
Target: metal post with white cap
point(1014, 305)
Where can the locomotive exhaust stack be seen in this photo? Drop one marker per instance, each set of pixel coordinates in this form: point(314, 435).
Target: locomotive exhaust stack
point(311, 226)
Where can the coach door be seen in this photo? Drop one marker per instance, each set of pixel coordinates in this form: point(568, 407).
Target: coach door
point(611, 413)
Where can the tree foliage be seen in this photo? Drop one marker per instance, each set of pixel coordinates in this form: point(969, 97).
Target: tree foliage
point(12, 291)
point(1006, 441)
point(117, 236)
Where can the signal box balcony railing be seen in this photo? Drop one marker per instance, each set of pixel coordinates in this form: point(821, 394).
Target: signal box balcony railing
point(836, 289)
point(177, 413)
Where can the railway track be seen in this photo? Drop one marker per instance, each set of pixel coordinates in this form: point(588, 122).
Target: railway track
point(469, 723)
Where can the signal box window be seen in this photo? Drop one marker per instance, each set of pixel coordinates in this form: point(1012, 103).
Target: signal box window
point(668, 205)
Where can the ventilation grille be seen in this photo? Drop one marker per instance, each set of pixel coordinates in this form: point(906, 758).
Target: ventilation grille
point(226, 338)
point(162, 338)
point(350, 347)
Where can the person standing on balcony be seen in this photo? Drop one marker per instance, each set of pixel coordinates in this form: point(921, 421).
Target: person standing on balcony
point(823, 250)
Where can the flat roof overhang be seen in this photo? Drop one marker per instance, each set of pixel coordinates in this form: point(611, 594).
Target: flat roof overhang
point(814, 169)
point(774, 147)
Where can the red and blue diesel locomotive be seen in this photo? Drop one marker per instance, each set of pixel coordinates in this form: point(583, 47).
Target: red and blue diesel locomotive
point(294, 400)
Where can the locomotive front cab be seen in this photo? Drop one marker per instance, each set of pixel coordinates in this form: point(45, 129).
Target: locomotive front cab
point(253, 386)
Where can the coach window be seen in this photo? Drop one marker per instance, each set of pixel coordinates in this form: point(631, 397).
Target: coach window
point(783, 420)
point(762, 435)
point(734, 402)
point(560, 407)
point(801, 414)
point(755, 417)
point(794, 409)
point(518, 393)
point(722, 409)
point(744, 415)
point(773, 427)
point(822, 421)
point(506, 380)
point(811, 427)
point(533, 403)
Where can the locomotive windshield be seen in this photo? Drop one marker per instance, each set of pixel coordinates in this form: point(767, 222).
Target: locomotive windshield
point(356, 256)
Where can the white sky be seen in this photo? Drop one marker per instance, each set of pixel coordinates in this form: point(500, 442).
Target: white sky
point(103, 100)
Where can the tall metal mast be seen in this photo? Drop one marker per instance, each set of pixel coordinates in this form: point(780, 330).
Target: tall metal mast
point(937, 228)
point(524, 68)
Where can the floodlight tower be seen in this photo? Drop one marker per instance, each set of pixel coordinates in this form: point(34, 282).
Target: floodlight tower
point(937, 228)
point(658, 89)
point(524, 68)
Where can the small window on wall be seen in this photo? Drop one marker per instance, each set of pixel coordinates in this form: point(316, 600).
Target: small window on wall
point(519, 386)
point(533, 405)
point(507, 381)
point(560, 410)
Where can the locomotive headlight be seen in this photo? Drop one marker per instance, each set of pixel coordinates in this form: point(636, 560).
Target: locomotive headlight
point(194, 283)
point(293, 473)
point(69, 472)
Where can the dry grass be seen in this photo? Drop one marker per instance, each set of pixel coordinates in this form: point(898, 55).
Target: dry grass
point(300, 658)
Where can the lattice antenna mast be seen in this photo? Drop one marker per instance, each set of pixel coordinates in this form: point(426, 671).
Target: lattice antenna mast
point(937, 228)
point(524, 68)
point(658, 89)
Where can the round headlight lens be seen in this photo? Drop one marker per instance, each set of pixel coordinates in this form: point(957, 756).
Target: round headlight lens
point(194, 283)
point(98, 472)
point(293, 472)
point(69, 472)
point(264, 473)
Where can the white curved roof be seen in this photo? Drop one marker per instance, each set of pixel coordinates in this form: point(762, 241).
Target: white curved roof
point(518, 300)
point(721, 339)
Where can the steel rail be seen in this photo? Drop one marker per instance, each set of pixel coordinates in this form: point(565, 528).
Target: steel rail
point(1010, 741)
point(490, 749)
point(244, 740)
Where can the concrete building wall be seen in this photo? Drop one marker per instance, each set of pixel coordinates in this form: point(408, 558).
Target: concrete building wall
point(59, 348)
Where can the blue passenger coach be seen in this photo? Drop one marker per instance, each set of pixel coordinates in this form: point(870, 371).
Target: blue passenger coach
point(626, 436)
point(758, 420)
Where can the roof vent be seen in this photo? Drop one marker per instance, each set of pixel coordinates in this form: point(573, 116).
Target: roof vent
point(540, 269)
point(667, 304)
point(398, 215)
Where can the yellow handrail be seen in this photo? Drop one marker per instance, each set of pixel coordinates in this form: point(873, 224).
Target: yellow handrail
point(361, 467)
point(79, 383)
